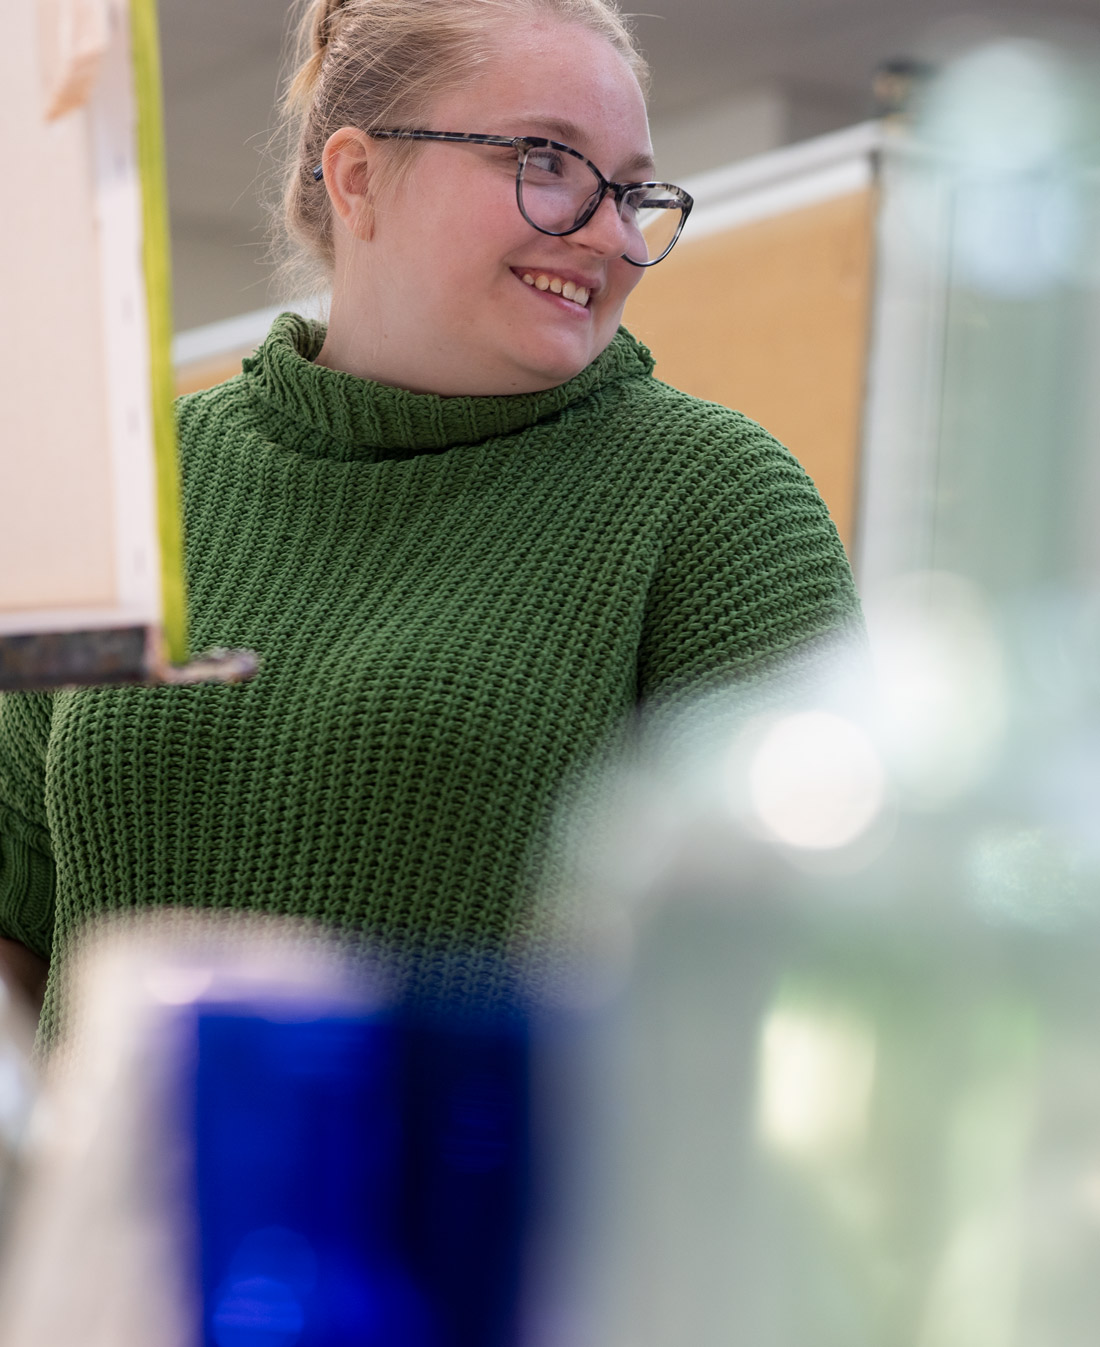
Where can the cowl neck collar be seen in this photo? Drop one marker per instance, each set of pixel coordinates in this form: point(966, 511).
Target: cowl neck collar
point(361, 419)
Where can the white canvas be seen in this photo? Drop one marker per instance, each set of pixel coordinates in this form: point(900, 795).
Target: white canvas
point(78, 540)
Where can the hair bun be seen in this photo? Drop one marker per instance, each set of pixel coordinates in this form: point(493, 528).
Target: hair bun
point(326, 14)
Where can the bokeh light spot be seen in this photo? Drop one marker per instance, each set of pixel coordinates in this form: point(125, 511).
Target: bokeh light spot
point(816, 781)
point(817, 1073)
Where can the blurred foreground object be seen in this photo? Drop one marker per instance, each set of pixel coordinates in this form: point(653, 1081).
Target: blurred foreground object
point(244, 1142)
point(91, 566)
point(849, 1076)
point(896, 83)
point(18, 1091)
point(852, 1053)
point(983, 407)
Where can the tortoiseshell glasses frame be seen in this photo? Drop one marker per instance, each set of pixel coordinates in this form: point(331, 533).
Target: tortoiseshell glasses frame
point(633, 200)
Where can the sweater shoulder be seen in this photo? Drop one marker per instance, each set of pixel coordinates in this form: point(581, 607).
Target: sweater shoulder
point(215, 420)
point(706, 422)
point(706, 446)
point(219, 402)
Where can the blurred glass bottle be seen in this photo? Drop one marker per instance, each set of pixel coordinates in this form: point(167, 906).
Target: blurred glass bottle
point(849, 1074)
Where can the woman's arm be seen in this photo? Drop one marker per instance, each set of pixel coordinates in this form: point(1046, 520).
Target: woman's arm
point(755, 596)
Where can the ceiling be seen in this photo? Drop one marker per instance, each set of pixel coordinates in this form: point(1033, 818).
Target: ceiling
point(221, 71)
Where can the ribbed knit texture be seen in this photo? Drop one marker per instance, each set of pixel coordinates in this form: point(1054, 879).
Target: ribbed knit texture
point(457, 603)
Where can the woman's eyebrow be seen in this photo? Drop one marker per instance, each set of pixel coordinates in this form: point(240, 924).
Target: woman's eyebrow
point(639, 163)
point(572, 134)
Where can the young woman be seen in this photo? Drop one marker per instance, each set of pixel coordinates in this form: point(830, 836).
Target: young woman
point(464, 526)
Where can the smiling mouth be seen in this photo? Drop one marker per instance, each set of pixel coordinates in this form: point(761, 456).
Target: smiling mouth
point(543, 280)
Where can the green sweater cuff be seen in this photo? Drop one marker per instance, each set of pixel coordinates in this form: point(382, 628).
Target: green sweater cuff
point(27, 882)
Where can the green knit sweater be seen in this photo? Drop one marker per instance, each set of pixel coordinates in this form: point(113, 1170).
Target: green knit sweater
point(457, 603)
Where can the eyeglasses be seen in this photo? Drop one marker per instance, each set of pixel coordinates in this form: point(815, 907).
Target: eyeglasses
point(558, 191)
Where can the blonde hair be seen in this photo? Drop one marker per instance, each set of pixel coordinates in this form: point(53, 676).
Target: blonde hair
point(377, 63)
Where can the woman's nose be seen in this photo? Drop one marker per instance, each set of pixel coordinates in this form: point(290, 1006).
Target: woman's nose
point(605, 232)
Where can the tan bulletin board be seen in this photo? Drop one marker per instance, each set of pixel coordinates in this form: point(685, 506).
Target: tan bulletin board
point(772, 317)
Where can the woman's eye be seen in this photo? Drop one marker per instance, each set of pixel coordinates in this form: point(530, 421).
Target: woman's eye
point(546, 161)
point(633, 202)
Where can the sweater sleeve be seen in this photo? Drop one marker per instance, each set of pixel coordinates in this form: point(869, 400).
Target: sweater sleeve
point(754, 593)
point(26, 859)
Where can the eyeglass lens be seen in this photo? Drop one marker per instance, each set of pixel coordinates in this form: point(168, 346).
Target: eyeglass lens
point(556, 190)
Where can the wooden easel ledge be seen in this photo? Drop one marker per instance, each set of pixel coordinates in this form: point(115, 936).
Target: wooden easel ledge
point(110, 655)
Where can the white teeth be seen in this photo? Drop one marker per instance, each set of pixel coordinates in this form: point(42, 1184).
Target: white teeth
point(567, 289)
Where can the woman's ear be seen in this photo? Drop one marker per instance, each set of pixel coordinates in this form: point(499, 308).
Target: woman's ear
point(349, 162)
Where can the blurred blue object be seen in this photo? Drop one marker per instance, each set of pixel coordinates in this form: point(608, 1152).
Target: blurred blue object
point(359, 1179)
point(467, 1168)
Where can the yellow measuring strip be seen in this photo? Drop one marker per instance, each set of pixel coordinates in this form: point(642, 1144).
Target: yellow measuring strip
point(145, 48)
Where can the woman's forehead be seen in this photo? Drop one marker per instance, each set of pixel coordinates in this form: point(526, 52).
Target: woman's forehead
point(581, 92)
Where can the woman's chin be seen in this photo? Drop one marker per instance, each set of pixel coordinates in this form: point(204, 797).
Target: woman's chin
point(548, 363)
